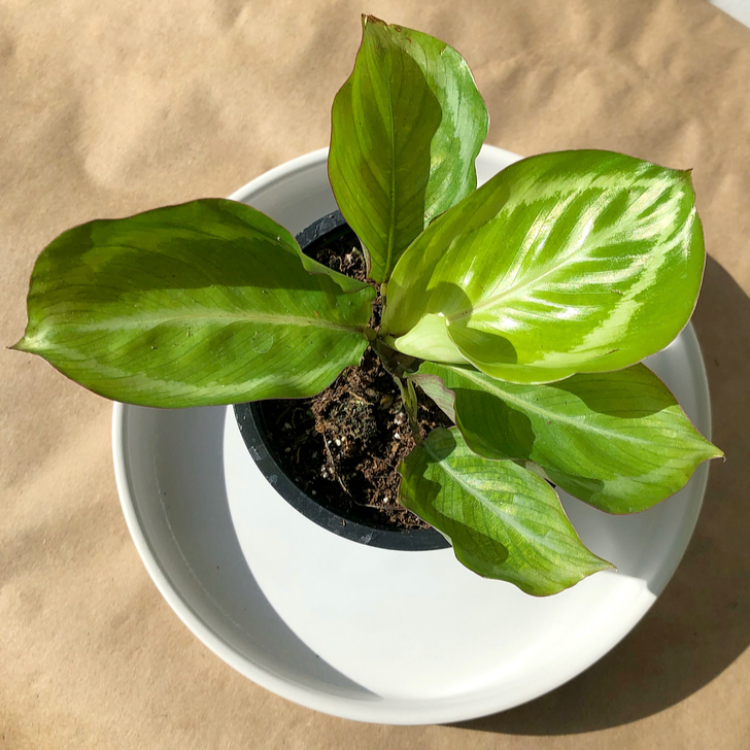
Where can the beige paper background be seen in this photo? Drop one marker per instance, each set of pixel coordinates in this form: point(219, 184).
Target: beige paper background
point(116, 106)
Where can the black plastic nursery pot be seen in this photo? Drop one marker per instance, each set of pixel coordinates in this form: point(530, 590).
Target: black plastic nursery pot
point(252, 422)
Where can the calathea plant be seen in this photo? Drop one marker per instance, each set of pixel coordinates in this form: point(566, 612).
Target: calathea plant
point(523, 308)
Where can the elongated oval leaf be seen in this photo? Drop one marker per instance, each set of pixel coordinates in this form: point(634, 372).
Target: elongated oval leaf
point(203, 303)
point(617, 440)
point(578, 261)
point(407, 127)
point(503, 521)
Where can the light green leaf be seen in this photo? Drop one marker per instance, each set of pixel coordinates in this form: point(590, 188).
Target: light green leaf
point(617, 440)
point(577, 261)
point(407, 127)
point(503, 521)
point(202, 303)
point(428, 338)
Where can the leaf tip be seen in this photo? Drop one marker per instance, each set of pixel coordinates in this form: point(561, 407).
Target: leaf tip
point(686, 176)
point(599, 565)
point(21, 346)
point(605, 565)
point(711, 451)
point(596, 565)
point(368, 19)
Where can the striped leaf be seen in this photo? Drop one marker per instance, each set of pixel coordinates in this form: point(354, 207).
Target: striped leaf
point(617, 440)
point(503, 521)
point(203, 303)
point(407, 127)
point(578, 261)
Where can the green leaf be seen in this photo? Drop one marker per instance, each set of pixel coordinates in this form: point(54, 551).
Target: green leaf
point(617, 440)
point(577, 261)
point(503, 521)
point(407, 127)
point(428, 338)
point(202, 303)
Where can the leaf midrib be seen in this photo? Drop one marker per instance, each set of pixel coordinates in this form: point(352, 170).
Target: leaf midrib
point(544, 412)
point(497, 512)
point(494, 299)
point(149, 321)
point(505, 518)
point(603, 238)
point(392, 227)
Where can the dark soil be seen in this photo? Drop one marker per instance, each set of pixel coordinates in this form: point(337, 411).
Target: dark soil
point(344, 445)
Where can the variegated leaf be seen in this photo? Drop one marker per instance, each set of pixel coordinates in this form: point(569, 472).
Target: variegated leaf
point(503, 521)
point(577, 261)
point(407, 127)
point(617, 440)
point(203, 303)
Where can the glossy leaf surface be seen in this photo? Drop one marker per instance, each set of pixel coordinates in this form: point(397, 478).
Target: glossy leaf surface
point(503, 521)
point(617, 440)
point(407, 127)
point(202, 303)
point(577, 261)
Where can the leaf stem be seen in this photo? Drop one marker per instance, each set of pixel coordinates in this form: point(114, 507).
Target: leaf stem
point(409, 399)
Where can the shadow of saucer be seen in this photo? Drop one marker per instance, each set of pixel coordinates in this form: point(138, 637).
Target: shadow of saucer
point(701, 623)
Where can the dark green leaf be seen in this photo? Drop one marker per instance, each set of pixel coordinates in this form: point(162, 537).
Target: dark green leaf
point(203, 303)
point(503, 521)
point(407, 127)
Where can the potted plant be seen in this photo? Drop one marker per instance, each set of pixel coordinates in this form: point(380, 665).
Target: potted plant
point(522, 309)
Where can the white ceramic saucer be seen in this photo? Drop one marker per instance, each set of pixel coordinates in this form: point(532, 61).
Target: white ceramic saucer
point(363, 633)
